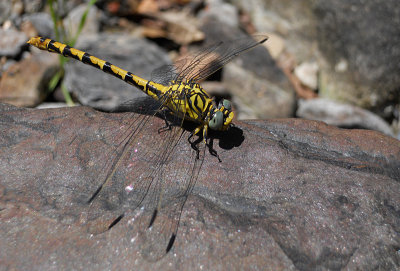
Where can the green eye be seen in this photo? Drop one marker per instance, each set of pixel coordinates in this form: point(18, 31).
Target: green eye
point(216, 121)
point(227, 104)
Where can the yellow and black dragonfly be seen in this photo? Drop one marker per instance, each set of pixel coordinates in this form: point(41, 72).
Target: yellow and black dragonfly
point(176, 89)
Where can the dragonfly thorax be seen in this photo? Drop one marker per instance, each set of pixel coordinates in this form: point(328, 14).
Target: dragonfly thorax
point(190, 101)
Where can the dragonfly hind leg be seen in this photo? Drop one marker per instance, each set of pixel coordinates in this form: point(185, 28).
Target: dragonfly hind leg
point(167, 126)
point(194, 144)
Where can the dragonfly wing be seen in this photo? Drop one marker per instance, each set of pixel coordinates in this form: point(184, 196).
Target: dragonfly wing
point(147, 184)
point(205, 63)
point(160, 230)
point(216, 56)
point(112, 198)
point(168, 73)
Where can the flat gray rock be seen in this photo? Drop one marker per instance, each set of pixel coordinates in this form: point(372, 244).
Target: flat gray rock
point(342, 115)
point(288, 194)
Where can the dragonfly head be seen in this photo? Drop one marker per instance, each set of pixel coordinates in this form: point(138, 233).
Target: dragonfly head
point(221, 116)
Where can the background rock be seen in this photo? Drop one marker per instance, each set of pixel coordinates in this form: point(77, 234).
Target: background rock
point(288, 194)
point(11, 43)
point(42, 23)
point(365, 35)
point(24, 83)
point(341, 115)
point(294, 21)
point(354, 42)
point(92, 22)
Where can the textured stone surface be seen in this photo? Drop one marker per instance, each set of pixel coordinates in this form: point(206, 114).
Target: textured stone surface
point(356, 44)
point(24, 83)
point(11, 43)
point(289, 194)
point(341, 115)
point(365, 35)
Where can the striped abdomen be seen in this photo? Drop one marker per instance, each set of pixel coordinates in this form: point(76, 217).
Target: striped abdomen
point(150, 88)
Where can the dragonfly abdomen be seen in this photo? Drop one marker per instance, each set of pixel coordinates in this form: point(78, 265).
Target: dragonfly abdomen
point(150, 88)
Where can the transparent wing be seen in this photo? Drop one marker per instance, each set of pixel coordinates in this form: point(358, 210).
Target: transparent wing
point(205, 63)
point(159, 236)
point(168, 73)
point(156, 180)
point(214, 60)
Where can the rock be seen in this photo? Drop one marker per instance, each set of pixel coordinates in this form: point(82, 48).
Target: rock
point(177, 26)
point(275, 45)
point(42, 23)
point(294, 21)
point(356, 44)
point(254, 80)
point(307, 72)
point(47, 105)
point(92, 22)
point(366, 36)
point(342, 115)
point(288, 194)
point(24, 83)
point(216, 8)
point(11, 11)
point(5, 11)
point(93, 87)
point(32, 6)
point(11, 43)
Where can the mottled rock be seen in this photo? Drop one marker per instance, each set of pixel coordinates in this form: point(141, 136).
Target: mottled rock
point(93, 87)
point(24, 83)
point(356, 44)
point(217, 8)
point(5, 11)
point(287, 194)
point(11, 43)
point(294, 21)
point(31, 6)
point(342, 115)
point(92, 22)
point(366, 36)
point(42, 23)
point(307, 73)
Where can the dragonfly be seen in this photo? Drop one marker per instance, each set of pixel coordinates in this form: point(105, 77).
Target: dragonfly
point(177, 90)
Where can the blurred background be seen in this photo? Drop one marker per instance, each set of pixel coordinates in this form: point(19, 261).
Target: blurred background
point(336, 61)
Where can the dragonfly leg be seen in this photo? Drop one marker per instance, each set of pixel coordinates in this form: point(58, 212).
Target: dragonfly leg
point(194, 143)
point(212, 151)
point(166, 127)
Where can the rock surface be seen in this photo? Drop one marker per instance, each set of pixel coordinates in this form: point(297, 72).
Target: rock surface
point(11, 43)
point(288, 194)
point(366, 36)
point(356, 44)
point(341, 115)
point(24, 83)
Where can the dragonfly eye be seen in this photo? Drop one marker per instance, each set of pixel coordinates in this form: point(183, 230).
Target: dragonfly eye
point(216, 121)
point(227, 104)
